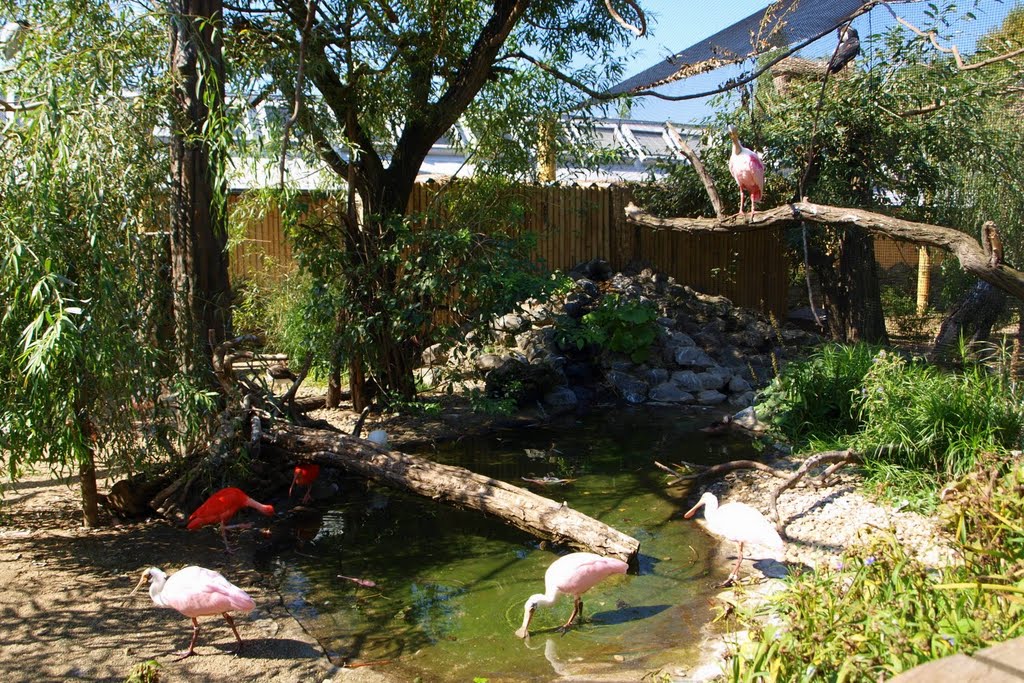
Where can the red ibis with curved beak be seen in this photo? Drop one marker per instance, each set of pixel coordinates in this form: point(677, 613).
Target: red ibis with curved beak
point(221, 507)
point(747, 169)
point(737, 522)
point(196, 592)
point(305, 475)
point(574, 574)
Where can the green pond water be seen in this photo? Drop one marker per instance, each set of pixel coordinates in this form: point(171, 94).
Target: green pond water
point(450, 584)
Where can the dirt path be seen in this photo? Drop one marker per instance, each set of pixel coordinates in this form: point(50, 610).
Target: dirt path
point(63, 614)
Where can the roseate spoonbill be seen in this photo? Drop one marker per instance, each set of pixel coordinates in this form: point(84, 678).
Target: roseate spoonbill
point(737, 522)
point(575, 574)
point(196, 592)
point(747, 168)
point(849, 47)
point(305, 475)
point(222, 506)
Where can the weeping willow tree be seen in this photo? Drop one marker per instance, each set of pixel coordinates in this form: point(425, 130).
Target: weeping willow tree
point(81, 177)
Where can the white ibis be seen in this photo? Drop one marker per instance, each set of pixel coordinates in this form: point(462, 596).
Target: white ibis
point(574, 574)
point(747, 169)
point(196, 592)
point(737, 522)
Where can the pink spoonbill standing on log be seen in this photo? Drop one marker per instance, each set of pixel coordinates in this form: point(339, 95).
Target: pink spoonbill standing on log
point(737, 522)
point(197, 592)
point(574, 574)
point(746, 167)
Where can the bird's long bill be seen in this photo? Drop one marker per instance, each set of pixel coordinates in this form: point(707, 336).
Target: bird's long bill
point(693, 510)
point(145, 575)
point(527, 616)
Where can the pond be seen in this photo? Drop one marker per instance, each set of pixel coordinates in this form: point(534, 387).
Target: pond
point(449, 584)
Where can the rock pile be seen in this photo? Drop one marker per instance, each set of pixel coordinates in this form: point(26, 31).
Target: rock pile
point(705, 351)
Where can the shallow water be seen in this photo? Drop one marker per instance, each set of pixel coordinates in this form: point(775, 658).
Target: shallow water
point(450, 584)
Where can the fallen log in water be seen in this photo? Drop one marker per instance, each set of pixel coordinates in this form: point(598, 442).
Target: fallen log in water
point(523, 509)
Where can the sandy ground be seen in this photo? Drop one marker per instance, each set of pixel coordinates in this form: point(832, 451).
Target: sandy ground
point(63, 614)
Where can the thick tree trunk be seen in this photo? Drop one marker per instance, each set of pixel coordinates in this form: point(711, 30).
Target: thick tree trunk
point(978, 310)
point(334, 384)
point(852, 298)
point(90, 499)
point(523, 509)
point(198, 193)
point(972, 318)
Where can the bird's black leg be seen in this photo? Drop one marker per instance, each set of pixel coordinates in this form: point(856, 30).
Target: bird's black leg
point(231, 623)
point(191, 645)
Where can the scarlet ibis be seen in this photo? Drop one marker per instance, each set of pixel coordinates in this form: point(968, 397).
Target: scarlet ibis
point(196, 592)
point(849, 47)
point(305, 475)
point(575, 574)
point(222, 506)
point(747, 168)
point(737, 522)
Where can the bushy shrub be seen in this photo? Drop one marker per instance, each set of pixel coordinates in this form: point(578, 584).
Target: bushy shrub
point(881, 612)
point(920, 417)
point(617, 324)
point(814, 398)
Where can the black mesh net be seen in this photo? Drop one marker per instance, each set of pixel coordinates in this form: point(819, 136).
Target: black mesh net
point(781, 24)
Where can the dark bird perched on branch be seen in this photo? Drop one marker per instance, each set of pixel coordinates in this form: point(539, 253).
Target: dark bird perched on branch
point(849, 47)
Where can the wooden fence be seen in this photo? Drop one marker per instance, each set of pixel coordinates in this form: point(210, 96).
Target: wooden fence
point(575, 224)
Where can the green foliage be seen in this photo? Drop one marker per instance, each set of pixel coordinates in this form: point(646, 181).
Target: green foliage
point(480, 402)
point(881, 612)
point(920, 417)
point(457, 266)
point(79, 171)
point(145, 672)
point(814, 398)
point(901, 311)
point(618, 325)
point(915, 423)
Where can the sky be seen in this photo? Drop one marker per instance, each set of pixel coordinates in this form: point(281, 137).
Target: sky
point(674, 26)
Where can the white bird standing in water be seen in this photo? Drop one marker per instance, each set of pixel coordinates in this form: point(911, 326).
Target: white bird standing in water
point(737, 522)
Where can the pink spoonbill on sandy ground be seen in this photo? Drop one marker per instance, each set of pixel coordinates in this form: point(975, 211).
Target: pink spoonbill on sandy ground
point(737, 522)
point(222, 506)
point(574, 574)
point(196, 592)
point(747, 169)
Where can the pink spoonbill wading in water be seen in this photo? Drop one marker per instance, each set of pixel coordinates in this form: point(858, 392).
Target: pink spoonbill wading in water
point(739, 523)
point(196, 592)
point(573, 574)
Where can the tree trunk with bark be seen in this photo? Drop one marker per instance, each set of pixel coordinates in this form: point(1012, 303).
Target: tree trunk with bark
point(518, 507)
point(980, 308)
point(202, 290)
point(852, 298)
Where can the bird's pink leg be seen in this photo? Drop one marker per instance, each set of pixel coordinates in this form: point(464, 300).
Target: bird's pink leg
point(191, 645)
point(741, 201)
point(231, 623)
point(309, 494)
point(224, 535)
point(736, 570)
point(577, 609)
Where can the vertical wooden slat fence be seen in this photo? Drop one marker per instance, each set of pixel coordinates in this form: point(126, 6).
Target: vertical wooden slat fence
point(575, 224)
